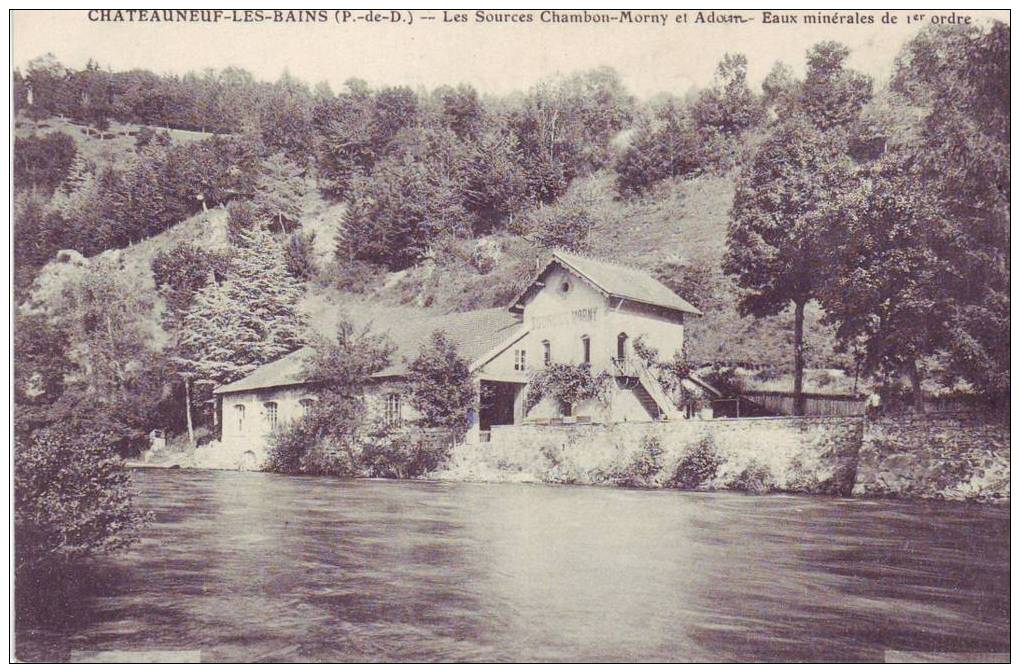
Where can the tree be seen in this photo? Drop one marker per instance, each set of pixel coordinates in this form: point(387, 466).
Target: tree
point(412, 200)
point(245, 322)
point(440, 384)
point(328, 438)
point(43, 162)
point(279, 190)
point(182, 271)
point(832, 95)
point(665, 145)
point(72, 499)
point(729, 106)
point(180, 274)
point(960, 77)
point(789, 192)
point(884, 289)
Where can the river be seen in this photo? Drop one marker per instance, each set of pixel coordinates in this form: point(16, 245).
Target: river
point(248, 566)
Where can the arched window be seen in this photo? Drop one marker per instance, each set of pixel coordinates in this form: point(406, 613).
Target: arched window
point(394, 416)
point(621, 346)
point(546, 353)
point(586, 349)
point(239, 416)
point(306, 406)
point(271, 410)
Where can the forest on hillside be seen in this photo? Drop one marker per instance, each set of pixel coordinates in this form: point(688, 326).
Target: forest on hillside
point(884, 209)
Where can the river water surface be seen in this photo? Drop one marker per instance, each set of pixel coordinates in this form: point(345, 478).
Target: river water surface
point(248, 566)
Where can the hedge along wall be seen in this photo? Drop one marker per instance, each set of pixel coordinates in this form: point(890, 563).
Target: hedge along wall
point(954, 456)
point(804, 454)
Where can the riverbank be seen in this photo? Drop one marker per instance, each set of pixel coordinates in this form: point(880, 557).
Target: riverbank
point(942, 456)
point(939, 456)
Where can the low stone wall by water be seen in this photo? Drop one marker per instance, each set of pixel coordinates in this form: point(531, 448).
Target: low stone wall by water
point(953, 456)
point(938, 455)
point(803, 454)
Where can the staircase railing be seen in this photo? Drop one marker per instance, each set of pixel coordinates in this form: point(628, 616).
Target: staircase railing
point(630, 367)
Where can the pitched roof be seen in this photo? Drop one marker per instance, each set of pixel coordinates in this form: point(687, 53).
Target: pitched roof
point(473, 333)
point(615, 280)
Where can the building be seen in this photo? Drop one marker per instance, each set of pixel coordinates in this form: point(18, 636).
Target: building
point(577, 310)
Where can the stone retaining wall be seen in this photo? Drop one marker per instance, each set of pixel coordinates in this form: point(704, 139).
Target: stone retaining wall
point(808, 454)
point(954, 456)
point(944, 455)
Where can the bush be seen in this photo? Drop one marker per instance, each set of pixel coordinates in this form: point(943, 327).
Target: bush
point(644, 465)
point(699, 463)
point(373, 452)
point(299, 255)
point(72, 498)
point(755, 478)
point(401, 454)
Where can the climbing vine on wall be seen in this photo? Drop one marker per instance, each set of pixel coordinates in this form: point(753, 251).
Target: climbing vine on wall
point(568, 383)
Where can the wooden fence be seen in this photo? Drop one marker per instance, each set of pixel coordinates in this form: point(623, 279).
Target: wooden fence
point(782, 403)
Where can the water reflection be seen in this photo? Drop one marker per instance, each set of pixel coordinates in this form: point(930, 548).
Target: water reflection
point(249, 567)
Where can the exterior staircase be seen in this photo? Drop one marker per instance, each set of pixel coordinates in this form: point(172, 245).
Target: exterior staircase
point(647, 401)
point(648, 391)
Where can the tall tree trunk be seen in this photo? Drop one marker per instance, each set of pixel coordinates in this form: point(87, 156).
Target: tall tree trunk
point(187, 408)
point(915, 383)
point(798, 358)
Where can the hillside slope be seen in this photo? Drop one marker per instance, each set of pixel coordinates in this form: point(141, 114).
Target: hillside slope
point(681, 222)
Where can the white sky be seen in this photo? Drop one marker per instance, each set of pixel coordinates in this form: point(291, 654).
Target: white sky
point(495, 58)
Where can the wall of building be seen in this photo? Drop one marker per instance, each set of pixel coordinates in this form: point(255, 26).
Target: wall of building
point(255, 431)
point(936, 455)
point(816, 455)
point(563, 318)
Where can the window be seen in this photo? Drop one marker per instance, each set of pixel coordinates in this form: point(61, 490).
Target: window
point(270, 409)
point(306, 406)
point(565, 287)
point(586, 349)
point(621, 346)
point(546, 353)
point(520, 360)
point(239, 417)
point(393, 412)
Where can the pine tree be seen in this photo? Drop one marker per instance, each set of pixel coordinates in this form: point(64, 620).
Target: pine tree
point(279, 191)
point(251, 319)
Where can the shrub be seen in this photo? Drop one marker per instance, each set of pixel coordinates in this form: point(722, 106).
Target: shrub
point(699, 463)
point(299, 255)
point(287, 448)
point(401, 454)
point(644, 465)
point(72, 498)
point(755, 478)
